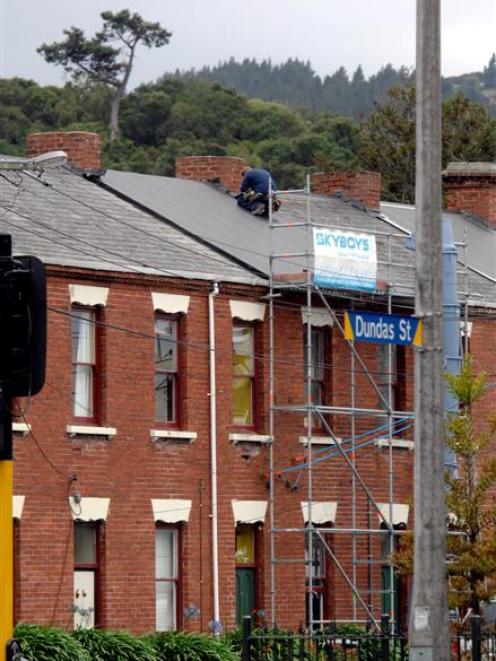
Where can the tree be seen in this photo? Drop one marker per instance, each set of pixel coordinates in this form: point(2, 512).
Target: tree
point(388, 144)
point(388, 139)
point(489, 74)
point(107, 57)
point(471, 544)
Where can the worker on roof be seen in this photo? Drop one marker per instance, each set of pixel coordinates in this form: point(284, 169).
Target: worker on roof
point(254, 191)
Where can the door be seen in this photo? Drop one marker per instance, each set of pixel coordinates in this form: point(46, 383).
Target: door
point(245, 593)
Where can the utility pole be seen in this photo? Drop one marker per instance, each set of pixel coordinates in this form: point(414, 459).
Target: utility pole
point(429, 622)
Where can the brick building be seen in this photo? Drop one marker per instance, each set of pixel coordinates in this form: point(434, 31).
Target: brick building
point(157, 400)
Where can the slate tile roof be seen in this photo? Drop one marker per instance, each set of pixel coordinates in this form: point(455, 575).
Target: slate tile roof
point(212, 215)
point(71, 221)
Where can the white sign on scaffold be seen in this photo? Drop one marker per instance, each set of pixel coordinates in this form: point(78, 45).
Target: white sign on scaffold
point(344, 260)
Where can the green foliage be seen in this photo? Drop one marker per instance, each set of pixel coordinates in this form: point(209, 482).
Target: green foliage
point(114, 646)
point(471, 546)
point(388, 144)
point(46, 644)
point(107, 57)
point(180, 646)
point(388, 139)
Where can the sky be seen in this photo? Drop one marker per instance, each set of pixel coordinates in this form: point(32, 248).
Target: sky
point(328, 33)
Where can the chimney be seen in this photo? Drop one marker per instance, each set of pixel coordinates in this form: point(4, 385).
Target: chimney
point(364, 186)
point(471, 187)
point(227, 169)
point(83, 148)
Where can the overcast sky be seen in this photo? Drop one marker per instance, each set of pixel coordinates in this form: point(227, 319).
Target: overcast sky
point(328, 33)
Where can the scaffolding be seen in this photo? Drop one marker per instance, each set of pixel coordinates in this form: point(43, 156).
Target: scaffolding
point(300, 280)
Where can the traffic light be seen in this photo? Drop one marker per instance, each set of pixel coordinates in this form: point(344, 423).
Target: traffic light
point(23, 345)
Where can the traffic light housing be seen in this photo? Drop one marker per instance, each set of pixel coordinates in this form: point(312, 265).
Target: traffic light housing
point(23, 325)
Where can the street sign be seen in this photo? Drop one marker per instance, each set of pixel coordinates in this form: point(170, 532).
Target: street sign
point(382, 328)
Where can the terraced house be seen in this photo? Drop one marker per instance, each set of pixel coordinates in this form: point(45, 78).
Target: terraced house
point(208, 444)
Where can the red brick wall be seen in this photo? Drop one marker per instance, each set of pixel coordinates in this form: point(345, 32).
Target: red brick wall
point(364, 186)
point(130, 469)
point(473, 193)
point(205, 168)
point(82, 147)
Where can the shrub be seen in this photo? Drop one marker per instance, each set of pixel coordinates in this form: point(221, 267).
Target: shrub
point(114, 646)
point(46, 644)
point(180, 646)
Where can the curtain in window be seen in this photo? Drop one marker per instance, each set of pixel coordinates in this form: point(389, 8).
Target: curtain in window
point(83, 361)
point(243, 371)
point(166, 578)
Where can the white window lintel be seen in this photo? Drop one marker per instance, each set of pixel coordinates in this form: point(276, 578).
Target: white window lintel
point(170, 303)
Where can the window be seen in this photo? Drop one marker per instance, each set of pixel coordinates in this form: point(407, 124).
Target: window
point(86, 574)
point(317, 364)
point(243, 375)
point(166, 370)
point(317, 589)
point(84, 363)
point(167, 578)
point(396, 377)
point(319, 370)
point(247, 571)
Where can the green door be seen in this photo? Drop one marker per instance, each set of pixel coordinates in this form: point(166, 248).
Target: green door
point(386, 594)
point(245, 593)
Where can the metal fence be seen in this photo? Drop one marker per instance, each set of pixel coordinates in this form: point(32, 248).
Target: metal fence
point(329, 645)
point(261, 645)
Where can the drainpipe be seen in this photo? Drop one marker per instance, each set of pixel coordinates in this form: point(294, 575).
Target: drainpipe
point(451, 327)
point(213, 450)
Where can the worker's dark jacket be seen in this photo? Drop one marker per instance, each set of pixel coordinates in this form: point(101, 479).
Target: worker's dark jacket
point(258, 180)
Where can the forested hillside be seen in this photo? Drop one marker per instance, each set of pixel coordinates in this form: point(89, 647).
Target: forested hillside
point(295, 82)
point(179, 117)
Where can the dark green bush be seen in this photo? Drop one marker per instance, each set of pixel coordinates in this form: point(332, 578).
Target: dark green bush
point(47, 644)
point(180, 646)
point(114, 646)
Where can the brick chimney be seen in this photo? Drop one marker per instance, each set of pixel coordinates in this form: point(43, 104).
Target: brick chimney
point(471, 187)
point(364, 186)
point(227, 169)
point(83, 148)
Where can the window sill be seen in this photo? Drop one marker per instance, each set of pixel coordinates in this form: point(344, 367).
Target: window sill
point(319, 440)
point(395, 443)
point(89, 430)
point(263, 439)
point(173, 435)
point(22, 428)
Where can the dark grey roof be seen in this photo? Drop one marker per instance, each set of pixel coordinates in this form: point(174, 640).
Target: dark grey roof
point(478, 237)
point(72, 221)
point(212, 215)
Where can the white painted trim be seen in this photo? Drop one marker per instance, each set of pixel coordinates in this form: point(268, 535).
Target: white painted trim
point(469, 325)
point(249, 511)
point(86, 295)
point(170, 303)
point(88, 430)
point(21, 428)
point(17, 506)
point(247, 311)
point(171, 510)
point(322, 512)
point(89, 509)
point(317, 317)
point(250, 438)
point(157, 434)
point(399, 443)
point(319, 440)
point(400, 513)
